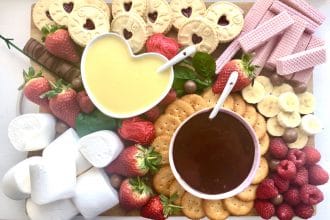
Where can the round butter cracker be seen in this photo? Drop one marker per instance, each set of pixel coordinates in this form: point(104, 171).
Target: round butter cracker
point(159, 16)
point(128, 6)
point(40, 14)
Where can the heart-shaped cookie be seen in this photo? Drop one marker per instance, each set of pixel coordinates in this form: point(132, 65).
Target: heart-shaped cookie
point(120, 83)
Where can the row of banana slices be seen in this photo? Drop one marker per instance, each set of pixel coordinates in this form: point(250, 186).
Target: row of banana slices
point(284, 109)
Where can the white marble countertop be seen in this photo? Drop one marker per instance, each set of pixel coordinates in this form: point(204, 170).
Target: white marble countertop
point(15, 23)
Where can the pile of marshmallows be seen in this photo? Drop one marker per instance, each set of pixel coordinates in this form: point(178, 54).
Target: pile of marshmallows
point(280, 34)
point(67, 179)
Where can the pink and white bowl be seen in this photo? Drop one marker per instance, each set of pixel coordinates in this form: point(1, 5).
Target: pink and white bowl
point(247, 181)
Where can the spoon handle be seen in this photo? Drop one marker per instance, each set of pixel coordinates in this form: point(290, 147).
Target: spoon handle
point(179, 57)
point(226, 91)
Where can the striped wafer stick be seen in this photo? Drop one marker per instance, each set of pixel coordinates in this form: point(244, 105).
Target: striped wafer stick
point(252, 19)
point(262, 54)
point(265, 31)
point(278, 7)
point(306, 9)
point(301, 61)
point(288, 42)
point(301, 46)
point(305, 75)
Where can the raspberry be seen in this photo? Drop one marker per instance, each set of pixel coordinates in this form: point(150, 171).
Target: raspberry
point(304, 211)
point(312, 155)
point(169, 98)
point(266, 189)
point(301, 177)
point(310, 195)
point(281, 184)
point(284, 212)
point(298, 157)
point(292, 196)
point(317, 175)
point(278, 148)
point(153, 114)
point(286, 169)
point(264, 208)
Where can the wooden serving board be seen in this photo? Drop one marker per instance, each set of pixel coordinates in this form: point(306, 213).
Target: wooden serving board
point(117, 210)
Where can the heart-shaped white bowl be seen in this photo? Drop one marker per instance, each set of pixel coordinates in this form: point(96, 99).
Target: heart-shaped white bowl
point(90, 93)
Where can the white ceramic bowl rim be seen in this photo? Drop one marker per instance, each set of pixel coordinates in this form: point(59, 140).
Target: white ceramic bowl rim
point(91, 95)
point(237, 189)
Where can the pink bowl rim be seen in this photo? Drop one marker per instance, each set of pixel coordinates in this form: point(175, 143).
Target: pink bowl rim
point(247, 181)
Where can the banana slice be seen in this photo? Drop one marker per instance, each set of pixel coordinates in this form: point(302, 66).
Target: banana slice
point(265, 81)
point(301, 140)
point(289, 119)
point(274, 128)
point(307, 103)
point(311, 124)
point(288, 102)
point(254, 94)
point(278, 90)
point(268, 107)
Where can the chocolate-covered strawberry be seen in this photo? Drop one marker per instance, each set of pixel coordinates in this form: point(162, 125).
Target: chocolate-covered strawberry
point(63, 103)
point(34, 86)
point(135, 161)
point(243, 67)
point(58, 42)
point(160, 207)
point(138, 130)
point(134, 193)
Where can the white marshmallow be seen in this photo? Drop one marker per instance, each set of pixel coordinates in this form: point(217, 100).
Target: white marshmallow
point(67, 144)
point(101, 148)
point(53, 179)
point(94, 193)
point(16, 182)
point(31, 132)
point(58, 210)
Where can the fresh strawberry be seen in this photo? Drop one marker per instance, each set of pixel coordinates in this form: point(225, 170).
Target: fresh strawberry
point(310, 194)
point(159, 43)
point(138, 130)
point(34, 86)
point(286, 169)
point(159, 207)
point(292, 196)
point(63, 103)
point(264, 208)
point(153, 114)
point(304, 211)
point(284, 212)
point(266, 189)
point(278, 148)
point(245, 74)
point(301, 177)
point(281, 184)
point(85, 103)
point(134, 193)
point(312, 155)
point(317, 175)
point(298, 157)
point(169, 98)
point(58, 42)
point(135, 161)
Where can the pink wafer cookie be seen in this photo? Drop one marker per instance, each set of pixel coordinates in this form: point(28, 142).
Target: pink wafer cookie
point(262, 54)
point(252, 19)
point(305, 75)
point(288, 42)
point(265, 31)
point(278, 7)
point(306, 9)
point(301, 61)
point(301, 46)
